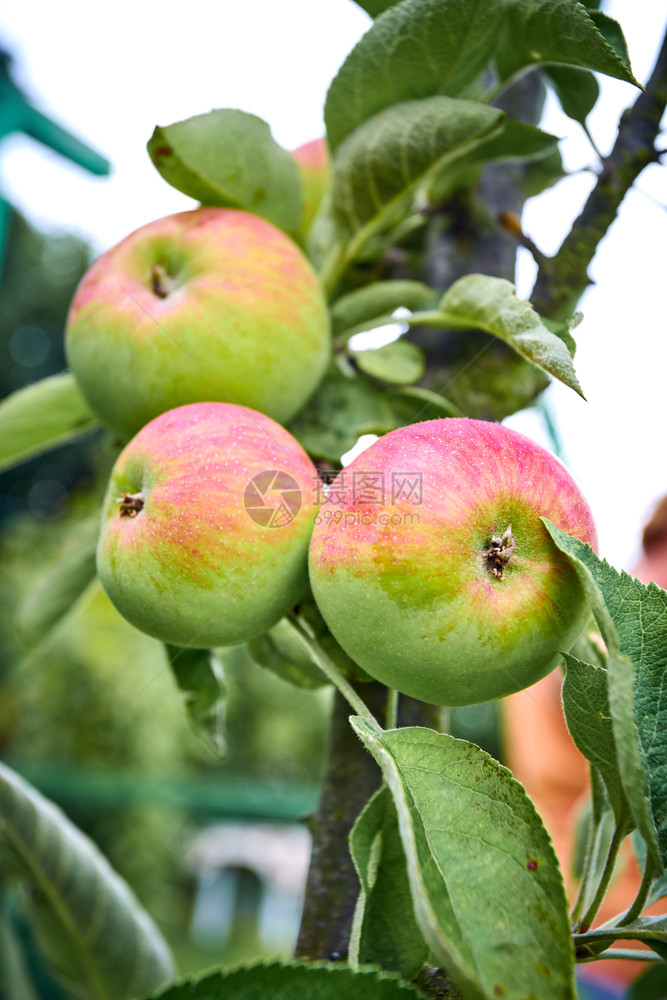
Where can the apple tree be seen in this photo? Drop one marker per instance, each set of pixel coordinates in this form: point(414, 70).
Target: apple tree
point(451, 562)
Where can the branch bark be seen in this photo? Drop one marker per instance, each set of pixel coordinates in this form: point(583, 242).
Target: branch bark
point(332, 887)
point(563, 278)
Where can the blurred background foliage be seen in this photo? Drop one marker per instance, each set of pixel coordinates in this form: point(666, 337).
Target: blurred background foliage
point(40, 272)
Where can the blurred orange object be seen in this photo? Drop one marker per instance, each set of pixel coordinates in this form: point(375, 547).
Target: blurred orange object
point(540, 752)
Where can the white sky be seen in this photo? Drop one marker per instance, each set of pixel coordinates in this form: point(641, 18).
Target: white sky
point(111, 73)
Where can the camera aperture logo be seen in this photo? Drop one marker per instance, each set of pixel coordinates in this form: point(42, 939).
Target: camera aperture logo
point(272, 498)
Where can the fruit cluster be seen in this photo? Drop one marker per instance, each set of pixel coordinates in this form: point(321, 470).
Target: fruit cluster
point(428, 557)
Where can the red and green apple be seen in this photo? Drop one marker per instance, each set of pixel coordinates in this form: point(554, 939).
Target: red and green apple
point(211, 304)
point(206, 525)
point(433, 569)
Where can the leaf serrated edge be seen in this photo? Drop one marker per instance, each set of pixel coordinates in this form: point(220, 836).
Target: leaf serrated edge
point(621, 684)
point(332, 968)
point(629, 76)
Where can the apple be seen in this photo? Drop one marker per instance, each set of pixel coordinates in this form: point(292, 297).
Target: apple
point(312, 159)
point(211, 304)
point(433, 570)
point(206, 525)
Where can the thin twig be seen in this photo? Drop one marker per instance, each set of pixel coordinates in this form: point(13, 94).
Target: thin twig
point(608, 871)
point(632, 954)
point(391, 720)
point(642, 895)
point(564, 277)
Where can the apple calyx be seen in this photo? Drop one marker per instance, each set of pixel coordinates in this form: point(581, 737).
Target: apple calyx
point(162, 283)
point(499, 553)
point(131, 504)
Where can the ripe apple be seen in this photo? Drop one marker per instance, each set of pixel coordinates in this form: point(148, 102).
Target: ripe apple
point(210, 304)
point(312, 159)
point(206, 524)
point(433, 570)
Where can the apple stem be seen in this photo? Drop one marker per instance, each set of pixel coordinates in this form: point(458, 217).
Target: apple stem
point(161, 281)
point(392, 709)
point(499, 552)
point(131, 504)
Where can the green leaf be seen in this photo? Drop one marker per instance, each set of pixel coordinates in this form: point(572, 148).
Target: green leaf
point(612, 33)
point(480, 302)
point(379, 299)
point(385, 159)
point(514, 141)
point(376, 7)
point(651, 986)
point(289, 981)
point(345, 408)
point(576, 89)
point(339, 413)
point(42, 416)
point(399, 363)
point(541, 173)
point(62, 582)
point(279, 651)
point(420, 48)
point(586, 706)
point(538, 32)
point(659, 887)
point(482, 376)
point(322, 236)
point(200, 675)
point(100, 943)
point(417, 49)
point(632, 619)
point(413, 404)
point(599, 801)
point(15, 980)
point(486, 886)
point(592, 851)
point(563, 329)
point(385, 930)
point(229, 157)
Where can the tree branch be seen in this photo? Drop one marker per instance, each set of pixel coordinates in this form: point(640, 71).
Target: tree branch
point(332, 888)
point(563, 278)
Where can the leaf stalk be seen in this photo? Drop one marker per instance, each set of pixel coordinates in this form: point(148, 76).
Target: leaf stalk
point(330, 670)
